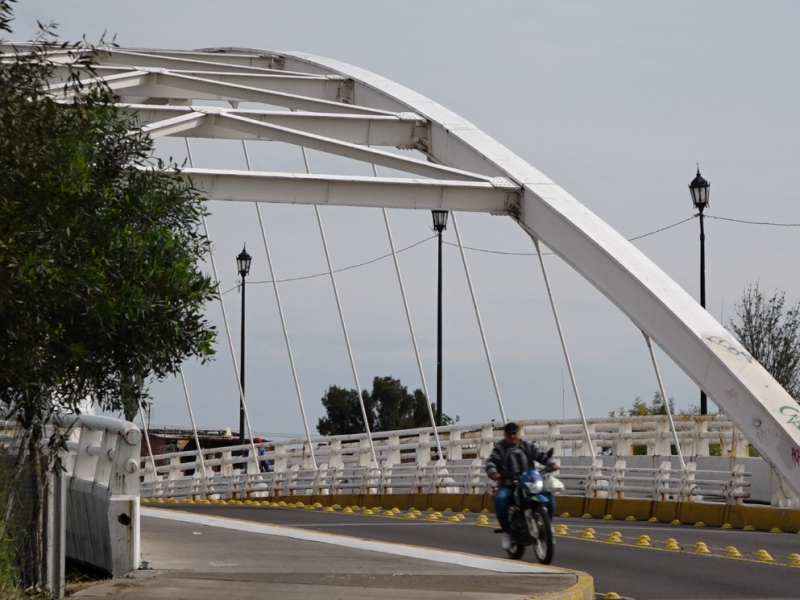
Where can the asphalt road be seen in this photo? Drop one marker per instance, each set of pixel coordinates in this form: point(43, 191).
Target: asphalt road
point(643, 573)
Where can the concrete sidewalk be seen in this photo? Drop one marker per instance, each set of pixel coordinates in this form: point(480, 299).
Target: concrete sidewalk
point(200, 557)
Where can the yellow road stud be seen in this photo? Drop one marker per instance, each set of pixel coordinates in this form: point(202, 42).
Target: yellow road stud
point(368, 512)
point(299, 505)
point(329, 509)
point(726, 526)
point(764, 556)
point(248, 502)
point(749, 528)
point(416, 513)
point(431, 509)
point(336, 507)
point(448, 510)
point(608, 518)
point(460, 517)
point(794, 559)
point(454, 519)
point(588, 534)
point(586, 516)
point(630, 518)
point(565, 515)
point(486, 511)
point(652, 520)
point(562, 530)
point(676, 522)
point(317, 505)
point(776, 530)
point(615, 537)
point(395, 510)
point(671, 544)
point(699, 524)
point(281, 503)
point(410, 516)
point(612, 596)
point(347, 510)
point(432, 517)
point(732, 552)
point(388, 513)
point(466, 510)
point(644, 541)
point(309, 507)
point(701, 548)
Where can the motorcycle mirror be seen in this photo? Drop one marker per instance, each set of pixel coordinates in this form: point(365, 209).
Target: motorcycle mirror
point(550, 453)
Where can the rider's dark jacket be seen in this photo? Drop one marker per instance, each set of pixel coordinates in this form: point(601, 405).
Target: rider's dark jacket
point(511, 463)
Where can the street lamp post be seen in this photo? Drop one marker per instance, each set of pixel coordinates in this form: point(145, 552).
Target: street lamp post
point(439, 225)
point(700, 189)
point(243, 266)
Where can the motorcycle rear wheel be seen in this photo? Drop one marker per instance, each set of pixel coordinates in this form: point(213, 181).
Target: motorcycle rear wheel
point(542, 534)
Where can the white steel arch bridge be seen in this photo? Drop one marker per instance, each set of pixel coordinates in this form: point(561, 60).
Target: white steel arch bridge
point(342, 110)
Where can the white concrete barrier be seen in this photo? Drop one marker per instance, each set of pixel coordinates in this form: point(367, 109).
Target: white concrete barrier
point(103, 493)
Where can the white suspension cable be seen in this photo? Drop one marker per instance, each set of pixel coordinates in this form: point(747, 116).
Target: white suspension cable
point(147, 438)
point(228, 331)
point(664, 397)
point(344, 325)
point(283, 322)
point(564, 348)
point(480, 322)
point(194, 427)
point(411, 326)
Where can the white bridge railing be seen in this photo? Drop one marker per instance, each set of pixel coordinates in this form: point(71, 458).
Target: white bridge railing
point(408, 462)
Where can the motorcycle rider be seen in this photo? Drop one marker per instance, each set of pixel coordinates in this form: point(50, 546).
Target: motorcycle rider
point(510, 458)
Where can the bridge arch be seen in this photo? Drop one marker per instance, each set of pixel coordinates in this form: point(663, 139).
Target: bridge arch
point(348, 111)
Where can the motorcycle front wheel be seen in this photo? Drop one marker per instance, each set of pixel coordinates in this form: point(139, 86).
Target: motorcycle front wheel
point(542, 534)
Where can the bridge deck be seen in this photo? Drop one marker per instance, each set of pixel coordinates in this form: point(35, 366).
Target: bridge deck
point(203, 557)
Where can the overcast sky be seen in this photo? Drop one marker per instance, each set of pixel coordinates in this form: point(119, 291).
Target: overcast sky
point(614, 101)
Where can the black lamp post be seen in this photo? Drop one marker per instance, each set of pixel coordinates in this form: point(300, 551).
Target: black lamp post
point(243, 267)
point(700, 189)
point(439, 225)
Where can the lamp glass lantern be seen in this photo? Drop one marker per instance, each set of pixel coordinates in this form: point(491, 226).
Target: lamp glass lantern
point(440, 220)
point(243, 263)
point(700, 189)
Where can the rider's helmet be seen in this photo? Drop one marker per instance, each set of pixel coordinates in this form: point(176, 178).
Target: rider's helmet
point(533, 481)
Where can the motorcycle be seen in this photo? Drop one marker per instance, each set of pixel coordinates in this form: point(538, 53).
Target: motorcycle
point(529, 517)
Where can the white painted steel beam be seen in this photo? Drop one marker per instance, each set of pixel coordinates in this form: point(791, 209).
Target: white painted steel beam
point(387, 192)
point(405, 130)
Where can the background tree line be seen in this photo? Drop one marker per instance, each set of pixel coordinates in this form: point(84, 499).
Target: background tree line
point(389, 406)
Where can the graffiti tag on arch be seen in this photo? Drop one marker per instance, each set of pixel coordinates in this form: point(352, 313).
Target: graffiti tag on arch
point(729, 347)
point(793, 413)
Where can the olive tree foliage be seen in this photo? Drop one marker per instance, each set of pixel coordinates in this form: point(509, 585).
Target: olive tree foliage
point(100, 244)
point(771, 333)
point(389, 407)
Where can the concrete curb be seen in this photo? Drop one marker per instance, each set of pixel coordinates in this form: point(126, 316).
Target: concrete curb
point(762, 518)
point(583, 589)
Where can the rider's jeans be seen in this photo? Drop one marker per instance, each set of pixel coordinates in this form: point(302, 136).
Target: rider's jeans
point(503, 499)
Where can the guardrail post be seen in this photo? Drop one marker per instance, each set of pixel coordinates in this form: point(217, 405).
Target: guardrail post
point(423, 452)
point(596, 487)
point(280, 458)
point(335, 457)
point(700, 442)
point(486, 442)
point(687, 484)
point(364, 452)
point(393, 450)
point(617, 488)
point(661, 487)
point(663, 440)
point(622, 444)
point(553, 431)
point(454, 448)
point(308, 462)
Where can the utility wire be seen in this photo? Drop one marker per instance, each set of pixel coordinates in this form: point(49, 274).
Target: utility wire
point(486, 251)
point(327, 274)
point(753, 222)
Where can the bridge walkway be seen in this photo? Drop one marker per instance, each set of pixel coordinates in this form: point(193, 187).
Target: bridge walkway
point(203, 557)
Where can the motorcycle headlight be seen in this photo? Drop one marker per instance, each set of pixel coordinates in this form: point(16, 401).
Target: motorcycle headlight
point(535, 486)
